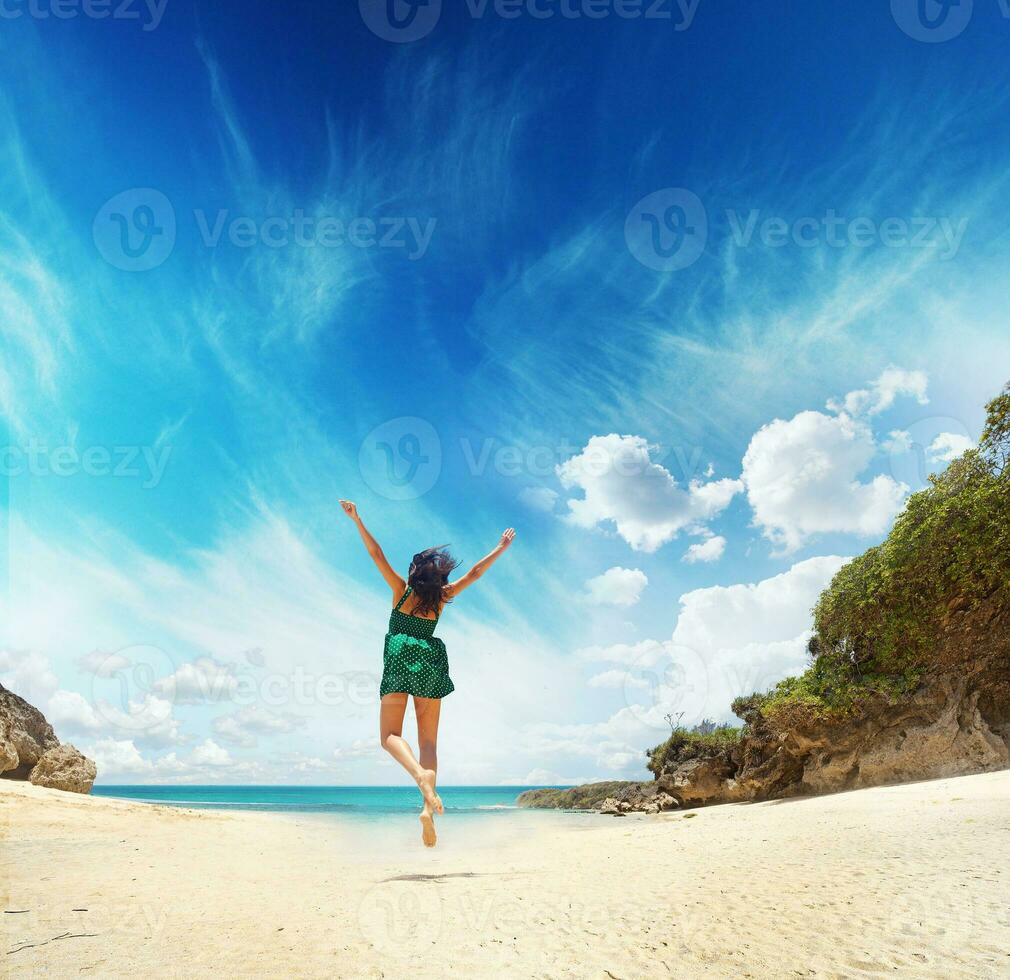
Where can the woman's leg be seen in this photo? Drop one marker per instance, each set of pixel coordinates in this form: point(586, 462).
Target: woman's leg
point(427, 711)
point(391, 711)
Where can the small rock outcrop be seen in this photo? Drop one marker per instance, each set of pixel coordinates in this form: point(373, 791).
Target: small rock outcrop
point(29, 749)
point(65, 768)
point(588, 797)
point(614, 798)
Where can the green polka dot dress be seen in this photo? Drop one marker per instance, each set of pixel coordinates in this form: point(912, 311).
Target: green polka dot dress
point(414, 661)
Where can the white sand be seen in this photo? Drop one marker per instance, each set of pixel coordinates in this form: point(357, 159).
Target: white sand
point(909, 881)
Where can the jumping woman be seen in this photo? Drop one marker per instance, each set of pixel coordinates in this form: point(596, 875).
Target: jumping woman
point(414, 660)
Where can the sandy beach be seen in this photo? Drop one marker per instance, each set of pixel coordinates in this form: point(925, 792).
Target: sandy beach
point(902, 881)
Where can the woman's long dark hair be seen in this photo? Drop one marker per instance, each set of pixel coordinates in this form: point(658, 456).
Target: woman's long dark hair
point(428, 577)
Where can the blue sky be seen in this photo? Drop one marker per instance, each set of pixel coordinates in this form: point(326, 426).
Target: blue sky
point(692, 301)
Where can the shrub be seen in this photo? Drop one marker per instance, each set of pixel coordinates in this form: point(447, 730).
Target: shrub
point(686, 743)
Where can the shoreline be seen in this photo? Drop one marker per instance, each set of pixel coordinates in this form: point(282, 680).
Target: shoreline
point(897, 881)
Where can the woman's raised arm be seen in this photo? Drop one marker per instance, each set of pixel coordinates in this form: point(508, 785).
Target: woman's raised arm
point(394, 581)
point(465, 581)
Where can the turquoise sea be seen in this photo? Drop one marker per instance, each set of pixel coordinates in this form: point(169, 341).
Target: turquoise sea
point(361, 802)
point(371, 823)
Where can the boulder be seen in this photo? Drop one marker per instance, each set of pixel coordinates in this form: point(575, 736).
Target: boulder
point(29, 749)
point(25, 735)
point(63, 767)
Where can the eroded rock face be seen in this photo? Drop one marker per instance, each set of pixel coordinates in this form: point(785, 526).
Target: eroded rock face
point(699, 781)
point(64, 768)
point(8, 755)
point(25, 735)
point(29, 749)
point(939, 732)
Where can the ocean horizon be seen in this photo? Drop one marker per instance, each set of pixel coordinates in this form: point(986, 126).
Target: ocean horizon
point(360, 802)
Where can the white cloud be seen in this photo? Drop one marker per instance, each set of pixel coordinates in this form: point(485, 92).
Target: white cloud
point(209, 753)
point(898, 441)
point(729, 641)
point(622, 484)
point(546, 777)
point(802, 479)
point(618, 679)
point(203, 679)
point(539, 498)
point(312, 764)
point(710, 550)
point(617, 587)
point(29, 675)
point(69, 710)
point(883, 392)
point(117, 757)
point(243, 727)
point(148, 719)
point(647, 653)
point(361, 748)
point(947, 446)
point(730, 617)
point(102, 663)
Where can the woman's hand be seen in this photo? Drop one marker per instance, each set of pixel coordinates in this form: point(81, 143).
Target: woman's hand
point(350, 509)
point(508, 536)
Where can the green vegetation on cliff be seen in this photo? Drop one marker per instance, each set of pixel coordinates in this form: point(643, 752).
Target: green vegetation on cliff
point(877, 625)
point(701, 742)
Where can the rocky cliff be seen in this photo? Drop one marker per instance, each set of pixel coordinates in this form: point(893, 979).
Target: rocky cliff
point(910, 660)
point(29, 749)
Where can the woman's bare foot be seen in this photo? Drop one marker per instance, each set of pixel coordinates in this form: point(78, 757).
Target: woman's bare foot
point(426, 784)
point(428, 827)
